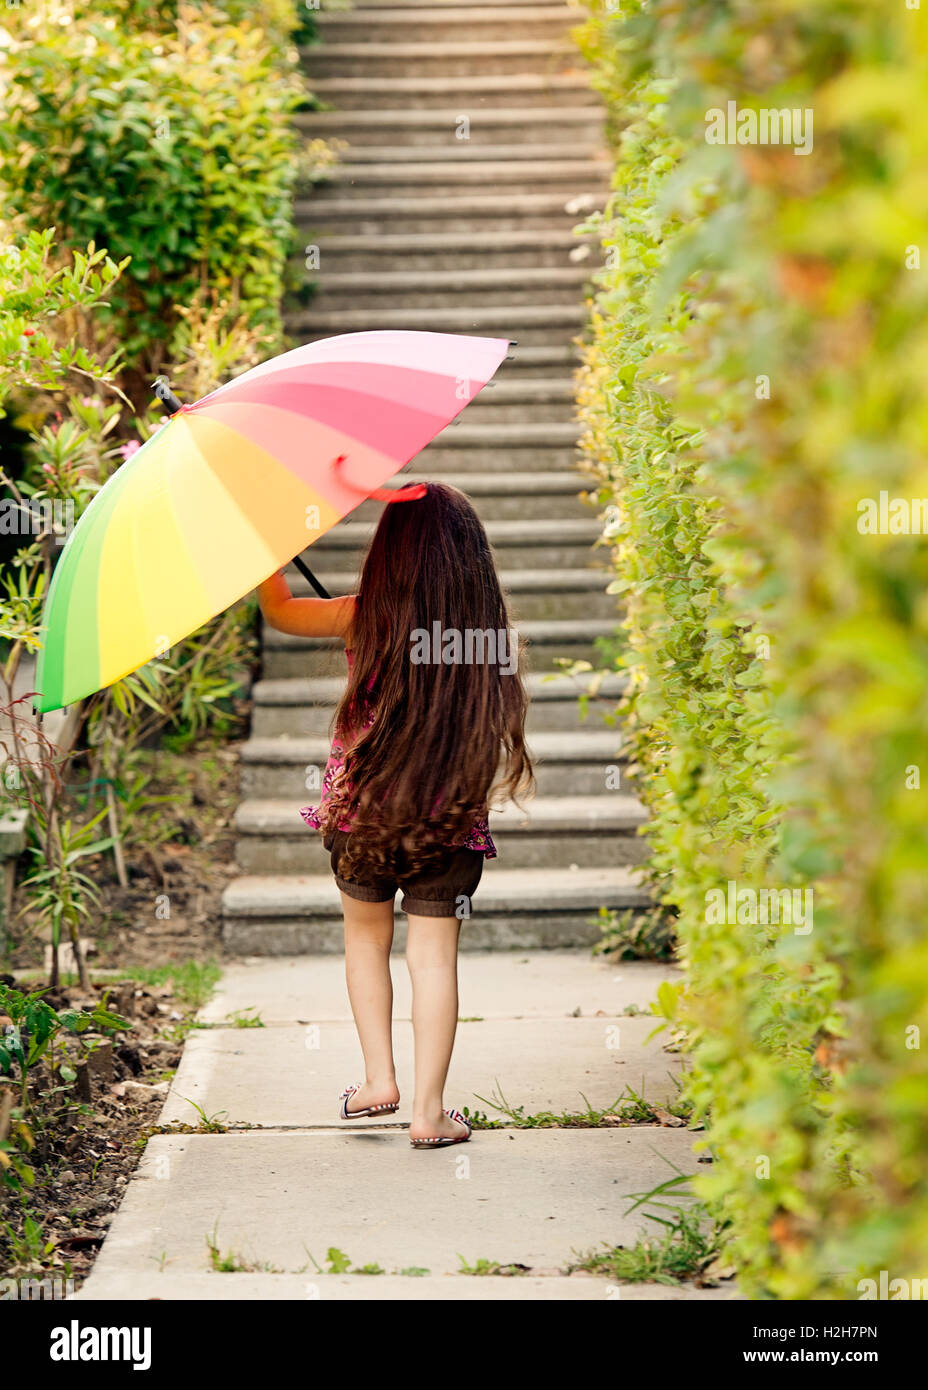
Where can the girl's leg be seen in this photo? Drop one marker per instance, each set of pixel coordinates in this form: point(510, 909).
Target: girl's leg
point(432, 957)
point(368, 938)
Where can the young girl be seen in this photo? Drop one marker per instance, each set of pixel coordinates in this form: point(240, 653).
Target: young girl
point(432, 718)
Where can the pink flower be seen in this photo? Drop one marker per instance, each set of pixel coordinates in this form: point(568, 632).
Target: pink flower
point(131, 448)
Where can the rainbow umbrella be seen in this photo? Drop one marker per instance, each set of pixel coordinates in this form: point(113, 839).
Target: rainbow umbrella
point(233, 487)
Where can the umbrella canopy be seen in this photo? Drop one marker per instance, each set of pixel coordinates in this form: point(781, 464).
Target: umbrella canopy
point(233, 487)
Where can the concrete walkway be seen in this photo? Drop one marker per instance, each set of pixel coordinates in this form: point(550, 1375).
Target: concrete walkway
point(545, 1029)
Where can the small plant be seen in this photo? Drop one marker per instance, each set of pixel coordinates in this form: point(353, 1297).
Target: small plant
point(478, 1119)
point(35, 1028)
point(231, 1263)
point(60, 892)
point(636, 935)
point(337, 1261)
point(246, 1018)
point(27, 1246)
point(209, 1124)
point(489, 1267)
point(690, 1243)
point(16, 1142)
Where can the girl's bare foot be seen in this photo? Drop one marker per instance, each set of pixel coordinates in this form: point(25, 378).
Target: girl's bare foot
point(431, 1126)
point(374, 1093)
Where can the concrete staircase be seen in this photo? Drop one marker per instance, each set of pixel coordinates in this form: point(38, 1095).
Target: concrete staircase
point(420, 228)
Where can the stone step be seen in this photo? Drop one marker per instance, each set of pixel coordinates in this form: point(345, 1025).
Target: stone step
point(529, 324)
point(530, 360)
point(469, 93)
point(453, 251)
point(473, 22)
point(508, 448)
point(519, 441)
point(582, 763)
point(461, 154)
point(542, 602)
point(428, 177)
point(516, 544)
point(440, 128)
point(514, 909)
point(445, 213)
point(458, 180)
point(452, 58)
point(404, 290)
point(304, 706)
point(485, 410)
point(284, 655)
point(585, 831)
point(509, 496)
point(445, 460)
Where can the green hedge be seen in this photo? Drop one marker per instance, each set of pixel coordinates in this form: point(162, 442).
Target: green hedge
point(755, 370)
point(164, 134)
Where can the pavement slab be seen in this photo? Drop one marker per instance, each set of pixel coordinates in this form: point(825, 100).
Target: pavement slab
point(279, 1201)
point(292, 1075)
point(501, 984)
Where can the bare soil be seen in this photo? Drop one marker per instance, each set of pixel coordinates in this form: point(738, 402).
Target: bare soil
point(89, 1136)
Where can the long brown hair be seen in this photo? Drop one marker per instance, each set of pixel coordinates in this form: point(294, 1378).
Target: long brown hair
point(440, 736)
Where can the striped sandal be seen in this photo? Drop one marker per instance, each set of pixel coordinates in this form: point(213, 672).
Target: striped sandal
point(440, 1141)
point(390, 1108)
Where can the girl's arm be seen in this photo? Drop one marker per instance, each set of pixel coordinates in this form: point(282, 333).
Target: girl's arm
point(304, 617)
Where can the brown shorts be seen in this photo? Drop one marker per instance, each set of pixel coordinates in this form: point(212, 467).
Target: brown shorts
point(442, 892)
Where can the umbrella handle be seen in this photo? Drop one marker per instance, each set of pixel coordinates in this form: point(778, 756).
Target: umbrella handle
point(411, 493)
point(307, 573)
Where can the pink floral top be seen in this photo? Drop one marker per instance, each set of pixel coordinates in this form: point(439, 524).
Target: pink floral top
point(478, 837)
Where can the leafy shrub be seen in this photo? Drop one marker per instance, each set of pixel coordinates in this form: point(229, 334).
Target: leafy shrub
point(171, 146)
point(754, 371)
point(38, 290)
point(45, 297)
point(35, 1031)
point(636, 935)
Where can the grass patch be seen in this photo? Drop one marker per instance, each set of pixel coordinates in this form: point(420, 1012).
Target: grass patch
point(689, 1244)
point(193, 981)
point(630, 1108)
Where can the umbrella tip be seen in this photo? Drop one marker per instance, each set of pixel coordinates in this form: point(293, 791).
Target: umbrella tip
point(162, 389)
